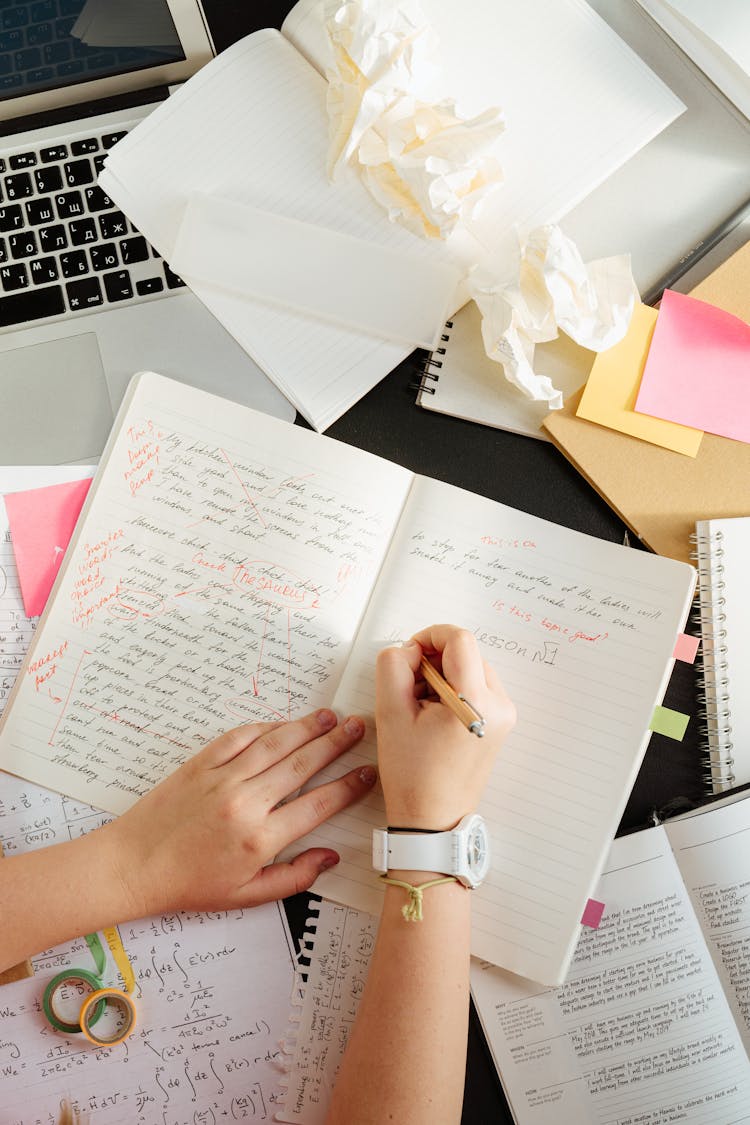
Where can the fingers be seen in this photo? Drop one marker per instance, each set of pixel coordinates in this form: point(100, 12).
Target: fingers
point(461, 661)
point(279, 880)
point(304, 813)
point(302, 763)
point(395, 676)
point(255, 747)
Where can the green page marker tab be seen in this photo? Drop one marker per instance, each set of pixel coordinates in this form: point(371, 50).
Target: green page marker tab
point(673, 724)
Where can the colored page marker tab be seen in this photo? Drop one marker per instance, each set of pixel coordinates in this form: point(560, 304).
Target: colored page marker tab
point(673, 724)
point(592, 914)
point(686, 648)
point(112, 937)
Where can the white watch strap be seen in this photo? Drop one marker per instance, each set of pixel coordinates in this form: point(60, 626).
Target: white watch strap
point(413, 851)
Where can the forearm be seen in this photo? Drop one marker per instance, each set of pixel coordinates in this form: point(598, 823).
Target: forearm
point(57, 893)
point(406, 1057)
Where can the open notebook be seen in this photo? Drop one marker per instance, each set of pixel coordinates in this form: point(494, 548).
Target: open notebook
point(252, 128)
point(228, 567)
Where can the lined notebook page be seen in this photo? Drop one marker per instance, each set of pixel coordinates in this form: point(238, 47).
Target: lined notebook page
point(259, 111)
point(578, 101)
point(582, 633)
point(217, 576)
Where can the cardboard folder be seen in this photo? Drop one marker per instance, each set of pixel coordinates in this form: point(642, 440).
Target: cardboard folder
point(657, 493)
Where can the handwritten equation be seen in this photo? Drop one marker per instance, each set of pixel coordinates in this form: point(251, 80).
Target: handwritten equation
point(212, 1003)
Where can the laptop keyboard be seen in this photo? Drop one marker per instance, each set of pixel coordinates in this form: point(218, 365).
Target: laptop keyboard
point(65, 248)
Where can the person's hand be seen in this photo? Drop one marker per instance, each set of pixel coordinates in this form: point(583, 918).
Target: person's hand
point(201, 838)
point(432, 769)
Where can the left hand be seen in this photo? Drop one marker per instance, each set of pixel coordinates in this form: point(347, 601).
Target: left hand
point(201, 839)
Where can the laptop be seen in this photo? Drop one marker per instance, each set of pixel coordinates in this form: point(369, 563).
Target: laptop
point(85, 302)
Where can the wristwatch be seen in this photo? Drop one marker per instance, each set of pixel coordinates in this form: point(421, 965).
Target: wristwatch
point(464, 851)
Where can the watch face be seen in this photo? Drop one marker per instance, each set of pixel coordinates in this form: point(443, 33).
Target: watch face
point(477, 849)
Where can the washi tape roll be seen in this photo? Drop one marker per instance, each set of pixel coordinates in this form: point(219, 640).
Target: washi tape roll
point(55, 986)
point(89, 1015)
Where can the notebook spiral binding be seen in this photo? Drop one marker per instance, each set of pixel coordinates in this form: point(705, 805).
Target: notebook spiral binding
point(712, 666)
point(429, 367)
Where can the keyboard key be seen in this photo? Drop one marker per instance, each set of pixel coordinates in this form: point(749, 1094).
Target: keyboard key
point(6, 64)
point(40, 211)
point(15, 17)
point(21, 160)
point(52, 238)
point(39, 74)
point(13, 276)
point(113, 224)
point(74, 263)
point(69, 205)
point(117, 285)
point(134, 250)
point(56, 152)
point(99, 162)
point(96, 200)
point(149, 285)
point(3, 251)
point(27, 58)
point(70, 69)
point(110, 139)
point(34, 305)
point(10, 81)
point(11, 218)
point(22, 245)
point(2, 165)
point(78, 172)
point(104, 257)
point(48, 179)
point(11, 40)
point(173, 281)
point(38, 34)
point(84, 294)
point(80, 148)
point(84, 230)
point(43, 270)
point(18, 186)
point(43, 10)
point(56, 53)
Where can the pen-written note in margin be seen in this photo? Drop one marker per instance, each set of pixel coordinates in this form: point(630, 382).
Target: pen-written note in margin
point(219, 579)
point(212, 1001)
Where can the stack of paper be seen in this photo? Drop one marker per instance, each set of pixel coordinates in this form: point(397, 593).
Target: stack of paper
point(259, 113)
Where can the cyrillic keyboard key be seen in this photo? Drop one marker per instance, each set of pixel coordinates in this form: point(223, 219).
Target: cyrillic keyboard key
point(3, 251)
point(52, 238)
point(14, 277)
point(82, 231)
point(11, 218)
point(40, 211)
point(96, 200)
point(113, 224)
point(22, 245)
point(69, 205)
point(74, 263)
point(104, 257)
point(43, 270)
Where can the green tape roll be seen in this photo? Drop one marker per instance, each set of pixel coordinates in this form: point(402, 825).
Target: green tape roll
point(57, 982)
point(94, 942)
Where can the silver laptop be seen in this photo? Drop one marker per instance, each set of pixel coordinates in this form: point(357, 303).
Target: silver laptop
point(85, 302)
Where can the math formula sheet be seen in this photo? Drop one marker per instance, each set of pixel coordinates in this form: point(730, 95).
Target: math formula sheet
point(212, 1005)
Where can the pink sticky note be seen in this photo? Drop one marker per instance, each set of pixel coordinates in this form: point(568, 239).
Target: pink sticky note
point(698, 368)
point(592, 915)
point(41, 523)
point(686, 647)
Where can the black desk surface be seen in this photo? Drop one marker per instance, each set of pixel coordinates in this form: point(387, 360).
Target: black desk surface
point(523, 473)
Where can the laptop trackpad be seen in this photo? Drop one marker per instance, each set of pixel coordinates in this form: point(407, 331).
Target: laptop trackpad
point(54, 403)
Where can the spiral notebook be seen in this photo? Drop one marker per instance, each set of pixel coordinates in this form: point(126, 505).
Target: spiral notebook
point(722, 547)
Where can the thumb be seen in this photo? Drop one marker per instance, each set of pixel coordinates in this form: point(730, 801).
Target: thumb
point(279, 880)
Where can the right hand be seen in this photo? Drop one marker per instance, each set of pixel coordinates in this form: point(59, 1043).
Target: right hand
point(433, 770)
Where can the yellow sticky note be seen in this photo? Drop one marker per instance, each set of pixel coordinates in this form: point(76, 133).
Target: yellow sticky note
point(612, 388)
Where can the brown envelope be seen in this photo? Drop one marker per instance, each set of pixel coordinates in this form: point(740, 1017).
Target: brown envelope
point(660, 494)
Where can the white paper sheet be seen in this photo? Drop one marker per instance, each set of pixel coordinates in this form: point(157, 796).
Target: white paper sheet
point(212, 1004)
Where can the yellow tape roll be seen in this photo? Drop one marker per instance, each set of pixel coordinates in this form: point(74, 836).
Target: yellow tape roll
point(117, 998)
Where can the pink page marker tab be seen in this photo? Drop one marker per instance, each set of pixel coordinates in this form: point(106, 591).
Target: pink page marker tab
point(592, 914)
point(41, 523)
point(686, 647)
point(698, 368)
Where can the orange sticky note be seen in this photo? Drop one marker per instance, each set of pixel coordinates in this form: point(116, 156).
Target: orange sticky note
point(685, 648)
point(698, 368)
point(612, 388)
point(41, 523)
